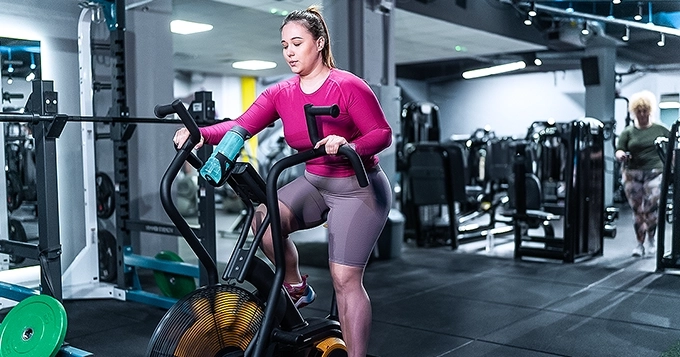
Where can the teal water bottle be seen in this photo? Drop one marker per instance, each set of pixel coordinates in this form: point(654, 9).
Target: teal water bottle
point(217, 168)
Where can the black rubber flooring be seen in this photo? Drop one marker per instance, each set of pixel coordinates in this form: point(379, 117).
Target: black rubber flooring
point(437, 302)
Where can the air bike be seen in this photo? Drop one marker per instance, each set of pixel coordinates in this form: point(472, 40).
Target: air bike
point(250, 314)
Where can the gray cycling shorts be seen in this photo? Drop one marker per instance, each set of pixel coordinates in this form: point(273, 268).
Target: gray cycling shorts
point(355, 215)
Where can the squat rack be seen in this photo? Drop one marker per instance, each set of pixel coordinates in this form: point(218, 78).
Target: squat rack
point(47, 127)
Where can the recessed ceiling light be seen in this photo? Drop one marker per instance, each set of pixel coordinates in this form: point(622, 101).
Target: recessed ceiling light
point(187, 27)
point(254, 65)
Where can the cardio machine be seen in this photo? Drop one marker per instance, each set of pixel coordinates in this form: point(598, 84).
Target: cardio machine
point(251, 314)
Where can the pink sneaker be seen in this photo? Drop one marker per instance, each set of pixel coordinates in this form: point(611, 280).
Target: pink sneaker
point(301, 294)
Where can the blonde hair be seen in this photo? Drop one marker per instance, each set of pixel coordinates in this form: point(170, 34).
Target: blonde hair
point(312, 20)
point(642, 101)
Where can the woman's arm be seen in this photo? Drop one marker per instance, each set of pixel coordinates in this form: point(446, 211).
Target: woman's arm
point(368, 116)
point(258, 116)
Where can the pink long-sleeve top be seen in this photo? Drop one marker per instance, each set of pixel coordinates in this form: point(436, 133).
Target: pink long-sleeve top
point(361, 120)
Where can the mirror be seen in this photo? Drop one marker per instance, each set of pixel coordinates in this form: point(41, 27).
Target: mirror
point(20, 65)
point(20, 61)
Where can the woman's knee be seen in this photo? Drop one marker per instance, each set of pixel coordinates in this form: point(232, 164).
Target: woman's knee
point(346, 276)
point(288, 220)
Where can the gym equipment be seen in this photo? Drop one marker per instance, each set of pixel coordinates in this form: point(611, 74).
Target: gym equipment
point(47, 126)
point(17, 233)
point(19, 165)
point(419, 122)
point(36, 326)
point(234, 319)
point(106, 243)
point(668, 255)
point(173, 285)
point(105, 195)
point(427, 195)
point(584, 211)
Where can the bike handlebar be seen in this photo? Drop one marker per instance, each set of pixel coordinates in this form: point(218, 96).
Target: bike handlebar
point(311, 112)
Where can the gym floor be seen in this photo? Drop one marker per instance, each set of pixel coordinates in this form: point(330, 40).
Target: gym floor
point(439, 302)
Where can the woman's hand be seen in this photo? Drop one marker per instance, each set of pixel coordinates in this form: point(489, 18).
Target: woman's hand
point(181, 137)
point(332, 142)
point(622, 155)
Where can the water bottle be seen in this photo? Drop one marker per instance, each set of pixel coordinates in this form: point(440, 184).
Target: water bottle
point(489, 241)
point(216, 169)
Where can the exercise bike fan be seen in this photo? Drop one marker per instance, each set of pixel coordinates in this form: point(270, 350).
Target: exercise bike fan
point(213, 321)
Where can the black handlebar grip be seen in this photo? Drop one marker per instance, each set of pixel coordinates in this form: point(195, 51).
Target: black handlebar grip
point(332, 110)
point(161, 111)
point(311, 112)
point(356, 162)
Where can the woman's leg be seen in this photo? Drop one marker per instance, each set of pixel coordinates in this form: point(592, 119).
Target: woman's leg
point(354, 307)
point(300, 207)
point(651, 203)
point(288, 225)
point(635, 193)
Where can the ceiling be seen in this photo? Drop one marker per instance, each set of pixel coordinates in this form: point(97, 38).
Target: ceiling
point(248, 30)
point(423, 45)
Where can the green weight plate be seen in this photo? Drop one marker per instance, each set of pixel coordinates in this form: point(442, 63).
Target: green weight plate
point(173, 285)
point(36, 326)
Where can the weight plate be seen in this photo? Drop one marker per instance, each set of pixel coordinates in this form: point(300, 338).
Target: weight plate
point(36, 326)
point(105, 195)
point(16, 233)
point(173, 285)
point(106, 244)
point(14, 196)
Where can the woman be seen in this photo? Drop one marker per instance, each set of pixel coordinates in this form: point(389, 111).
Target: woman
point(642, 169)
point(328, 190)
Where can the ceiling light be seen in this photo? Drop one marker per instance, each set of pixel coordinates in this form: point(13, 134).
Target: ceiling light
point(254, 65)
point(638, 16)
point(528, 21)
point(626, 36)
point(584, 30)
point(10, 80)
point(616, 2)
point(503, 68)
point(30, 77)
point(538, 61)
point(570, 8)
point(532, 10)
point(662, 40)
point(670, 101)
point(187, 27)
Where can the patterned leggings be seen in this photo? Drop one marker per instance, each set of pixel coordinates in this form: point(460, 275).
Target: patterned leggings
point(642, 190)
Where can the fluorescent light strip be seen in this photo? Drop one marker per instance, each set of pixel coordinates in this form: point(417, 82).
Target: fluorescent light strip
point(187, 27)
point(254, 65)
point(503, 68)
point(669, 105)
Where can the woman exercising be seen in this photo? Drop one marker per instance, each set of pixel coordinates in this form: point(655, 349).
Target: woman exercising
point(328, 191)
point(642, 174)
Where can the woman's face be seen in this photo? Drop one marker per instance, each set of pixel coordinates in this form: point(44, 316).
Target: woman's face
point(300, 49)
point(642, 113)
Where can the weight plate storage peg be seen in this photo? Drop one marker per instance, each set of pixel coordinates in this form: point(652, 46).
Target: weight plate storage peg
point(36, 326)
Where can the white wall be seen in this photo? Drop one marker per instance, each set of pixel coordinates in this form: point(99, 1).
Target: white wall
point(226, 92)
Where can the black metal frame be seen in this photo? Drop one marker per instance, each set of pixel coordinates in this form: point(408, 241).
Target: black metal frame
point(670, 181)
point(243, 264)
point(584, 211)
